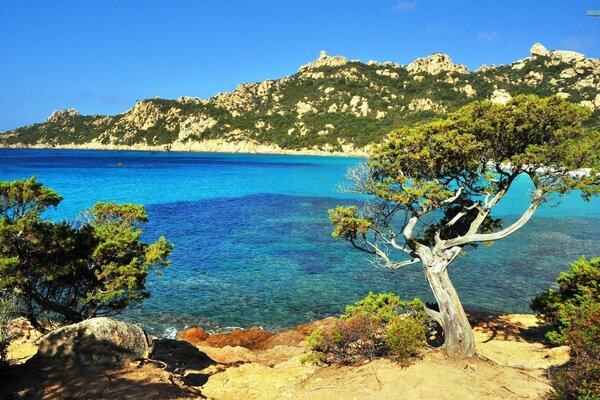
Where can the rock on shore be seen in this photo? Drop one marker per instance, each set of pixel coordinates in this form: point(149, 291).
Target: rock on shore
point(96, 340)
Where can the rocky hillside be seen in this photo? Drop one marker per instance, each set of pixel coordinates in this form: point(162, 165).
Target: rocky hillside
point(330, 105)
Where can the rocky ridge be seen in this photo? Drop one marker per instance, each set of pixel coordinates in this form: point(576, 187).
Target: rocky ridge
point(332, 105)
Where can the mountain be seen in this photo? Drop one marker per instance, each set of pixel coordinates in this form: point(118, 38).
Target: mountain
point(331, 105)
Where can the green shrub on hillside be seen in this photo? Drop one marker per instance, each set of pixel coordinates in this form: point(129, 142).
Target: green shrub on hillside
point(578, 288)
point(580, 377)
point(573, 310)
point(380, 325)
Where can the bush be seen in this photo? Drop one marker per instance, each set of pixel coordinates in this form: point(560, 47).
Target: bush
point(578, 287)
point(372, 328)
point(73, 271)
point(573, 310)
point(405, 338)
point(384, 307)
point(580, 378)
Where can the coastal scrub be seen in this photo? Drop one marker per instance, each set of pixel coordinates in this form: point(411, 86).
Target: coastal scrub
point(380, 325)
point(71, 271)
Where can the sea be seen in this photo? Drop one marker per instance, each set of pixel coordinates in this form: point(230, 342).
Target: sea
point(253, 244)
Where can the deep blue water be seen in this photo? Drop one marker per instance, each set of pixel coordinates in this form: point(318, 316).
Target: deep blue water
point(252, 237)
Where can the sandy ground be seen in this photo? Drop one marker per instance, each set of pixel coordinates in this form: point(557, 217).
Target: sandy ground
point(511, 365)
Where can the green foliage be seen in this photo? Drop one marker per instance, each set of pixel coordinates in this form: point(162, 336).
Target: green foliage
point(573, 310)
point(559, 307)
point(384, 307)
point(315, 358)
point(347, 224)
point(372, 328)
point(405, 338)
point(580, 377)
point(26, 198)
point(96, 266)
point(421, 166)
point(418, 170)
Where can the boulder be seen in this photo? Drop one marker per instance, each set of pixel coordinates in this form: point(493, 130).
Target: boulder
point(468, 90)
point(95, 341)
point(589, 104)
point(500, 96)
point(435, 64)
point(568, 73)
point(538, 50)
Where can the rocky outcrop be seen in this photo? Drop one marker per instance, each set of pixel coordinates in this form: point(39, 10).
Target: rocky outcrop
point(592, 104)
point(500, 96)
point(248, 338)
point(143, 115)
point(435, 64)
point(193, 335)
point(62, 115)
point(425, 105)
point(95, 341)
point(514, 365)
point(468, 90)
point(325, 61)
point(538, 50)
point(566, 56)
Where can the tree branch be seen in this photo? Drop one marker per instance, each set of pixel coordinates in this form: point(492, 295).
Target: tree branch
point(434, 315)
point(382, 259)
point(453, 198)
point(489, 237)
point(399, 265)
point(67, 312)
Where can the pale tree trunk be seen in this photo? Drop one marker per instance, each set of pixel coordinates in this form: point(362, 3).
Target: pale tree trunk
point(458, 336)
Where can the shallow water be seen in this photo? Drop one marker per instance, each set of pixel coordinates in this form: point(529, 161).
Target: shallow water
point(252, 238)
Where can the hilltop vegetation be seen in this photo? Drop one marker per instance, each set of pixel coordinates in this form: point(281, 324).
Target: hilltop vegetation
point(331, 104)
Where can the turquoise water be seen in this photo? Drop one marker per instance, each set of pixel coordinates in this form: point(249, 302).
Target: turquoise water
point(252, 238)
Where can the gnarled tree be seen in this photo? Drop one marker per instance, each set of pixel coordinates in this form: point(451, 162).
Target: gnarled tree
point(433, 188)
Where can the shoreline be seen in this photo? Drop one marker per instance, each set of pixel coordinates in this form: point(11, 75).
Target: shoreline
point(210, 146)
point(254, 364)
point(172, 331)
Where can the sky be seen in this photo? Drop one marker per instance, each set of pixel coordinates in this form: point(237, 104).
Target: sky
point(99, 57)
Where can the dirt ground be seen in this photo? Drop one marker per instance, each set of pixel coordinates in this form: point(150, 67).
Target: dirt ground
point(511, 365)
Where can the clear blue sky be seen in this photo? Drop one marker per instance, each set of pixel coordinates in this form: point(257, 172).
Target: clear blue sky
point(100, 56)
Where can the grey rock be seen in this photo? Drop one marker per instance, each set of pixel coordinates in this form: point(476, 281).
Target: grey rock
point(95, 341)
